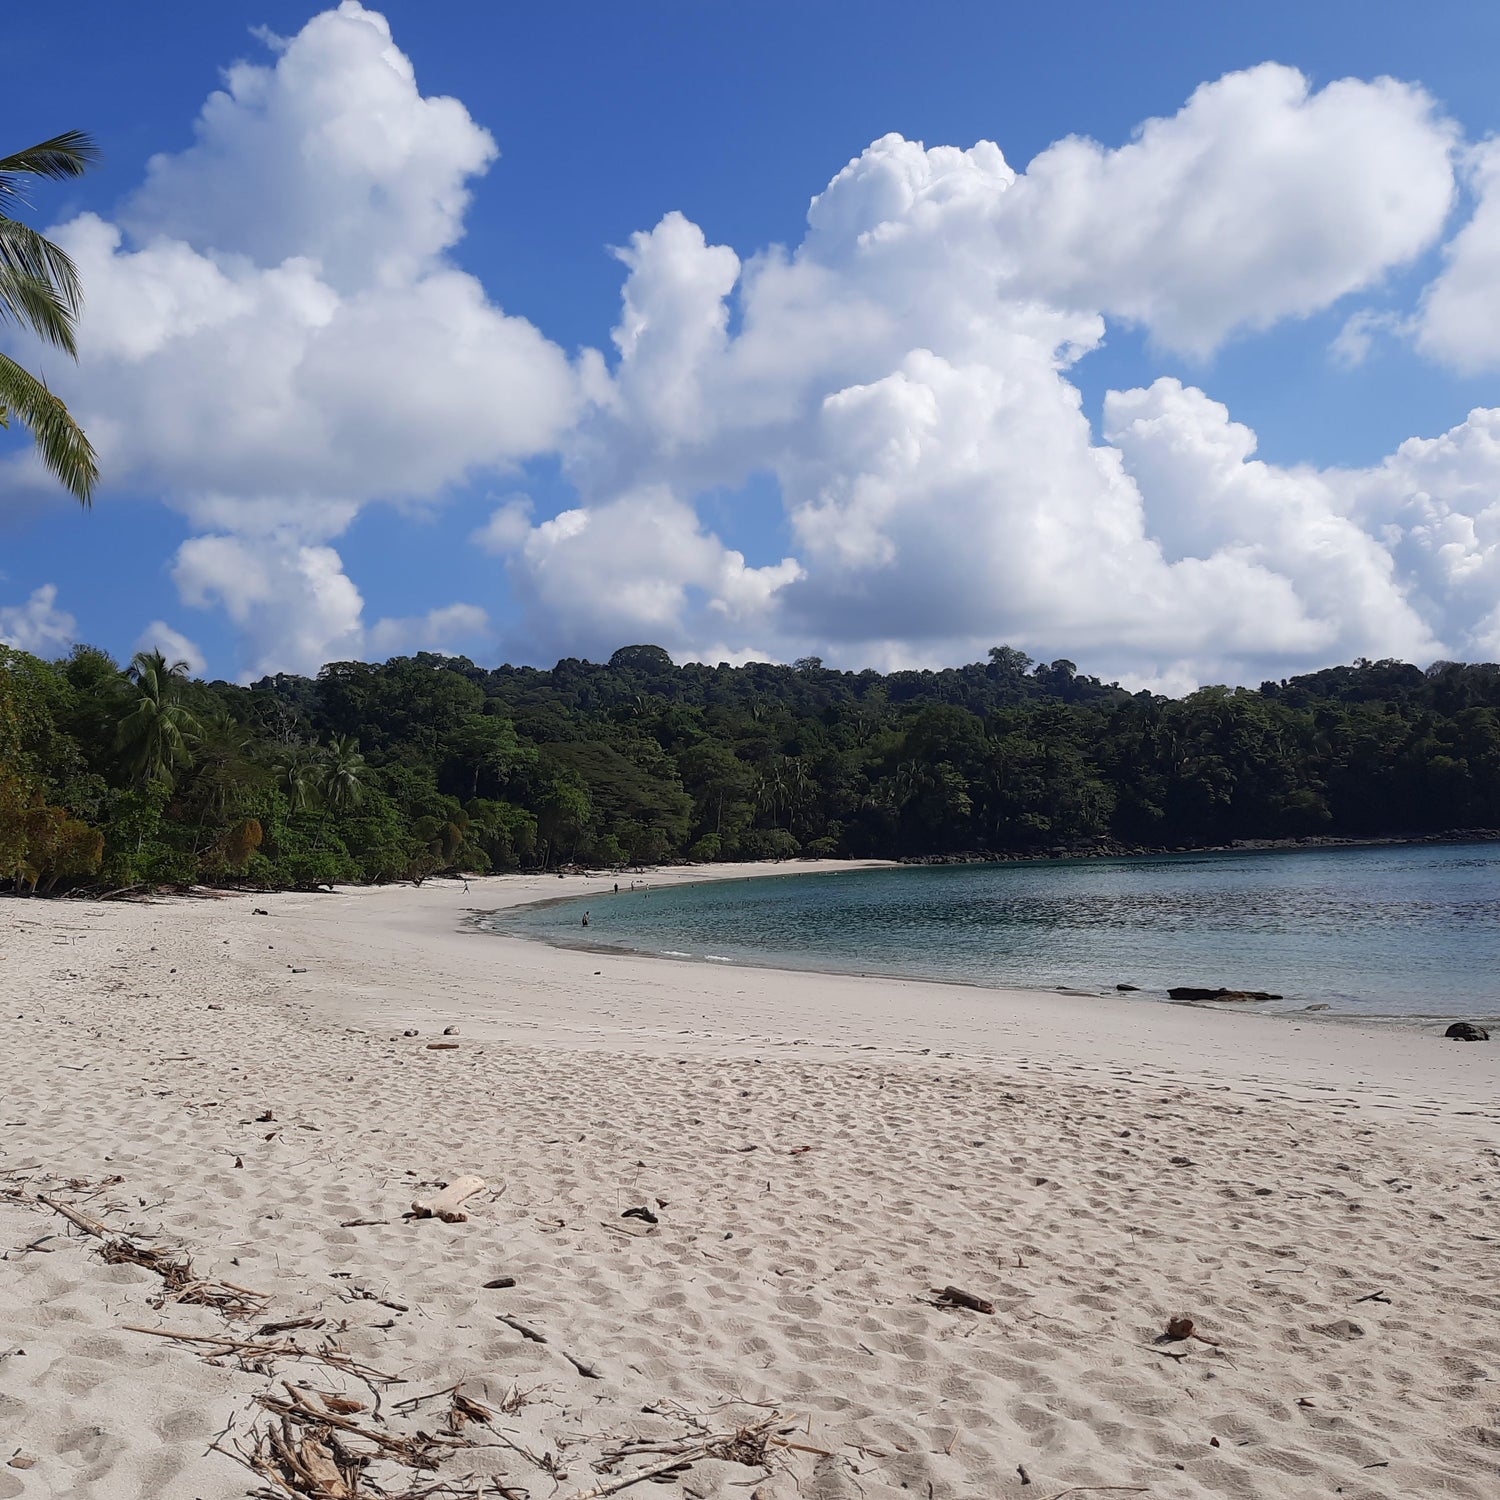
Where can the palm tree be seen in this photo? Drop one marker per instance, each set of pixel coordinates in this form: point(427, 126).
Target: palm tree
point(226, 768)
point(298, 776)
point(158, 733)
point(39, 290)
point(341, 779)
point(343, 774)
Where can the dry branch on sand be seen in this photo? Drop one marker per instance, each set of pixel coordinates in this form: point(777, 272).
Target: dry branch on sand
point(179, 1281)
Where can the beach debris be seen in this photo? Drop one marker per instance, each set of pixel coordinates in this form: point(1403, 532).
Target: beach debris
point(534, 1336)
point(748, 1445)
point(257, 1354)
point(447, 1205)
point(450, 1031)
point(259, 911)
point(500, 1284)
point(960, 1298)
point(180, 1283)
point(642, 1213)
point(1180, 1327)
point(19, 1460)
point(1192, 992)
point(410, 1031)
point(442, 1046)
point(1373, 1297)
point(1025, 1477)
point(1466, 1031)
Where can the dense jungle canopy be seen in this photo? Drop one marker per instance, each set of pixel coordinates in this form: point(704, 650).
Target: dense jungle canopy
point(114, 779)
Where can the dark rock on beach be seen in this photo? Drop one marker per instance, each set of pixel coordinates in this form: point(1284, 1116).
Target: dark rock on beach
point(1191, 992)
point(1466, 1031)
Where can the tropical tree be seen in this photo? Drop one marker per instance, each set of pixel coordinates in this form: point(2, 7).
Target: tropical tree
point(299, 775)
point(159, 730)
point(39, 290)
point(344, 772)
point(341, 780)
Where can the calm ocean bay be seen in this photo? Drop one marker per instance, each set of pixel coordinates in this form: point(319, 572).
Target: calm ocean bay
point(1391, 931)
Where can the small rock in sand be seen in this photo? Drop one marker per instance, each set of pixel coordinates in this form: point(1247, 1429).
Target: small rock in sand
point(450, 1031)
point(1466, 1031)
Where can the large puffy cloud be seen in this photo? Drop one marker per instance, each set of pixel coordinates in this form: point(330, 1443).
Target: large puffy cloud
point(281, 320)
point(274, 338)
point(298, 608)
point(1435, 504)
point(366, 176)
point(38, 625)
point(639, 567)
point(904, 376)
point(1459, 321)
point(1259, 200)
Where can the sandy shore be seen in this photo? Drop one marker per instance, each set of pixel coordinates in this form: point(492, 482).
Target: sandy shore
point(820, 1152)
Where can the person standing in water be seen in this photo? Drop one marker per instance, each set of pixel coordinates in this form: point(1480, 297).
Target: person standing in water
point(585, 919)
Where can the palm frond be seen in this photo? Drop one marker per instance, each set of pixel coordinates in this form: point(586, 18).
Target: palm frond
point(35, 304)
point(65, 451)
point(27, 253)
point(70, 154)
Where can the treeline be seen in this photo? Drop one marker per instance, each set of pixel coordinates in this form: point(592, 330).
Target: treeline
point(114, 778)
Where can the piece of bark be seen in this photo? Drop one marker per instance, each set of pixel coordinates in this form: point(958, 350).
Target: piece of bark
point(448, 1204)
point(962, 1298)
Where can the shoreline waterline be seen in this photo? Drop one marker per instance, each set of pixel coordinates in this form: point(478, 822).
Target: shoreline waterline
point(1404, 934)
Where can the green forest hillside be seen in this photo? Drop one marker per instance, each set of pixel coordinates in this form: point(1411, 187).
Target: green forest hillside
point(114, 779)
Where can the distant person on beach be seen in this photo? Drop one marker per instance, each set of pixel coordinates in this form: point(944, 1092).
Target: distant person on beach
point(585, 919)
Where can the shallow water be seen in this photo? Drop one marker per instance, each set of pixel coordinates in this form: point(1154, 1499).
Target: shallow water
point(1402, 931)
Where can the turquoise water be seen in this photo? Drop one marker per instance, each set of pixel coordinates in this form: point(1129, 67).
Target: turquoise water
point(1403, 931)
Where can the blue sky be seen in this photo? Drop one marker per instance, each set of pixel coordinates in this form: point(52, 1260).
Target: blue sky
point(608, 117)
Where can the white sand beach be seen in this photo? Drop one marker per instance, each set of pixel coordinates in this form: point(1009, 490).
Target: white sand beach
point(819, 1152)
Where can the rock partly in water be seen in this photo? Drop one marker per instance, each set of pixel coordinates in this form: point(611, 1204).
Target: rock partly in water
point(1127, 988)
point(1192, 992)
point(1466, 1031)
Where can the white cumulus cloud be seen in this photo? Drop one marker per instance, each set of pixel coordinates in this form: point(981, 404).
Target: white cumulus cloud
point(441, 629)
point(38, 625)
point(1459, 321)
point(274, 336)
point(904, 377)
point(173, 644)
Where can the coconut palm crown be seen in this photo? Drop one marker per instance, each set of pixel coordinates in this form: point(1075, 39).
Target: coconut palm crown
point(39, 290)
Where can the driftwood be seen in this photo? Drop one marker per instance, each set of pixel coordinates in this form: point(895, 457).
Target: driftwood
point(961, 1298)
point(447, 1205)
